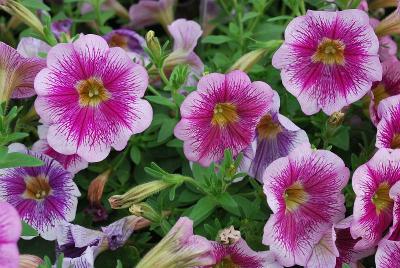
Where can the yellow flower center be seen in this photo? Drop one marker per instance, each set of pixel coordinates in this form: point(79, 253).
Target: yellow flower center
point(294, 196)
point(92, 92)
point(267, 128)
point(226, 262)
point(381, 198)
point(329, 52)
point(37, 187)
point(224, 114)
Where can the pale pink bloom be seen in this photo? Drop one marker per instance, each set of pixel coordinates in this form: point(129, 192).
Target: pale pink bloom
point(10, 230)
point(150, 12)
point(388, 128)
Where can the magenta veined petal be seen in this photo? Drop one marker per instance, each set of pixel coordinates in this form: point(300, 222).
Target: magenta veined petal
point(388, 128)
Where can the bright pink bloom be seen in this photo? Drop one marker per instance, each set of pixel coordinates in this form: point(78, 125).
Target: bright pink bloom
point(221, 114)
point(10, 230)
point(90, 96)
point(388, 128)
point(17, 73)
point(150, 12)
point(373, 207)
point(329, 59)
point(304, 192)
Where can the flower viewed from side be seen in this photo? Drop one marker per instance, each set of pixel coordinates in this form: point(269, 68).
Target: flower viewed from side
point(304, 192)
point(96, 104)
point(222, 114)
point(30, 47)
point(43, 196)
point(373, 207)
point(325, 251)
point(10, 230)
point(329, 59)
point(150, 12)
point(387, 47)
point(179, 248)
point(389, 86)
point(209, 10)
point(72, 163)
point(276, 136)
point(61, 26)
point(388, 128)
point(131, 42)
point(17, 73)
point(81, 245)
point(185, 34)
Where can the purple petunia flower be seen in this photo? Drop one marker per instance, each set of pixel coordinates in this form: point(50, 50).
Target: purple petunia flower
point(72, 163)
point(221, 114)
point(17, 73)
point(276, 136)
point(96, 104)
point(61, 26)
point(43, 196)
point(131, 42)
point(150, 12)
point(81, 245)
point(373, 207)
point(329, 59)
point(304, 192)
point(10, 230)
point(388, 128)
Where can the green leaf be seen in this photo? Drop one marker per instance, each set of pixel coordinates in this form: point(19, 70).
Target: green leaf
point(13, 137)
point(27, 230)
point(175, 143)
point(162, 101)
point(19, 160)
point(228, 203)
point(135, 155)
point(341, 139)
point(119, 264)
point(216, 39)
point(167, 129)
point(35, 4)
point(249, 16)
point(106, 15)
point(202, 209)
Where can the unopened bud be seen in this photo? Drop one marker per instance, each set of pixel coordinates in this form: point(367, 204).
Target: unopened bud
point(153, 45)
point(248, 60)
point(336, 119)
point(229, 236)
point(96, 187)
point(146, 211)
point(29, 261)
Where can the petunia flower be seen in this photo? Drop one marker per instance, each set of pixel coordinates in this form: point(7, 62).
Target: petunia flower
point(304, 192)
point(81, 246)
point(221, 114)
point(150, 12)
point(373, 207)
point(17, 73)
point(390, 24)
point(72, 163)
point(325, 252)
point(10, 230)
point(389, 86)
point(107, 5)
point(329, 59)
point(43, 196)
point(387, 46)
point(131, 42)
point(61, 26)
point(276, 136)
point(179, 248)
point(388, 128)
point(96, 104)
point(30, 47)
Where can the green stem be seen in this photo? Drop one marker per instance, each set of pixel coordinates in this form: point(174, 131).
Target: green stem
point(153, 90)
point(163, 76)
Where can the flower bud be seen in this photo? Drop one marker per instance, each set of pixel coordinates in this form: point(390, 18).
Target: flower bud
point(153, 45)
point(96, 187)
point(245, 62)
point(146, 211)
point(336, 119)
point(229, 236)
point(29, 261)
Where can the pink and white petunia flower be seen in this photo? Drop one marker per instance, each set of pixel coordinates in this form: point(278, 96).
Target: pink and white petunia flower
point(72, 163)
point(150, 12)
point(329, 59)
point(17, 73)
point(30, 47)
point(10, 230)
point(388, 128)
point(389, 86)
point(304, 192)
point(90, 95)
point(373, 207)
point(221, 114)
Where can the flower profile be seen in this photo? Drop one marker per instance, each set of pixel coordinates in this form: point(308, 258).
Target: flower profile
point(373, 207)
point(30, 47)
point(44, 196)
point(304, 193)
point(17, 73)
point(329, 59)
point(96, 104)
point(10, 230)
point(221, 114)
point(387, 46)
point(388, 128)
point(150, 12)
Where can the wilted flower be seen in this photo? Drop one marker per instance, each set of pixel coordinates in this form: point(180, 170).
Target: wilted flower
point(373, 207)
point(61, 26)
point(30, 47)
point(222, 113)
point(150, 12)
point(388, 128)
point(329, 59)
point(131, 42)
point(389, 86)
point(44, 196)
point(179, 248)
point(96, 104)
point(29, 261)
point(96, 187)
point(17, 73)
point(81, 245)
point(72, 163)
point(304, 192)
point(10, 230)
